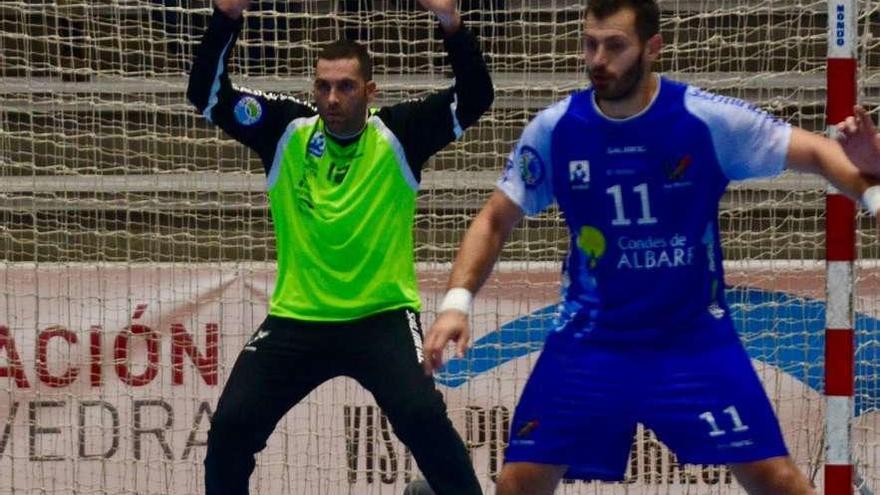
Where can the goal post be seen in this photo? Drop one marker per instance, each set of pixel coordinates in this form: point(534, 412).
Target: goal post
point(840, 255)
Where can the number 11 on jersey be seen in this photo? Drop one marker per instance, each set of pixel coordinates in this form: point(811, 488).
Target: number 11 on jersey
point(620, 218)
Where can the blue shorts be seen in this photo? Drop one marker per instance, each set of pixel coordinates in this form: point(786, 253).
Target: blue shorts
point(582, 401)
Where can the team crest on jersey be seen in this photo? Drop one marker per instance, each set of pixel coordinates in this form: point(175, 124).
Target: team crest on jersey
point(531, 168)
point(317, 144)
point(579, 174)
point(248, 111)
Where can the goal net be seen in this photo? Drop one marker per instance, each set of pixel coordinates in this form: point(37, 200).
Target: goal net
point(136, 249)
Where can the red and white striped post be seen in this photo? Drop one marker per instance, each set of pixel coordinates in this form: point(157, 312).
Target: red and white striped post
point(840, 256)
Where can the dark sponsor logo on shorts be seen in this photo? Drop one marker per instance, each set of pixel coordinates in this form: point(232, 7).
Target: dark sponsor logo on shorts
point(528, 428)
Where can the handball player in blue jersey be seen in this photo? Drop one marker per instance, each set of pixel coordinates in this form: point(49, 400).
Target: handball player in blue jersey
point(637, 164)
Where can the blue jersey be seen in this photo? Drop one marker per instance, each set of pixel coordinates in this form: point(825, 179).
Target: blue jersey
point(640, 197)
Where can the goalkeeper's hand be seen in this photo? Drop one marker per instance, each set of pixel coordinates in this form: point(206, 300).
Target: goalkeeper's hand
point(232, 8)
point(859, 139)
point(446, 13)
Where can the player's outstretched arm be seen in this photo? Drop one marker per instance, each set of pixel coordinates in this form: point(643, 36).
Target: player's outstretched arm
point(476, 256)
point(232, 8)
point(812, 153)
point(446, 12)
point(860, 141)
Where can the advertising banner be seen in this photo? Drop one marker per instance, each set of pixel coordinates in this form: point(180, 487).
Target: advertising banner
point(109, 375)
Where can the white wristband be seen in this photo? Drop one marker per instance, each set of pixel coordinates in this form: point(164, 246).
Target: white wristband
point(457, 298)
point(871, 199)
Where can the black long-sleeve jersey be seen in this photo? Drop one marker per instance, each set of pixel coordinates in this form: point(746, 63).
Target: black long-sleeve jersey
point(343, 212)
point(422, 126)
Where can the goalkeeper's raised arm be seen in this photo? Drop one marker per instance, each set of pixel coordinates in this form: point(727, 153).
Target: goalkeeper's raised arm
point(232, 8)
point(253, 118)
point(259, 120)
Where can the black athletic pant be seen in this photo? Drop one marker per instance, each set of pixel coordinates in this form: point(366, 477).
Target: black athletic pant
point(286, 359)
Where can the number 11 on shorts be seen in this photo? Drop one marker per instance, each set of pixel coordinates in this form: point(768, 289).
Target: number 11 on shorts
point(715, 431)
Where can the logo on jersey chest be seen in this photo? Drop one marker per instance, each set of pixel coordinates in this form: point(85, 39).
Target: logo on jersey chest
point(591, 242)
point(676, 169)
point(625, 150)
point(579, 174)
point(337, 172)
point(655, 252)
point(317, 144)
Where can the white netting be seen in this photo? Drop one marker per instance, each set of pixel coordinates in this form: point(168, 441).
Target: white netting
point(114, 194)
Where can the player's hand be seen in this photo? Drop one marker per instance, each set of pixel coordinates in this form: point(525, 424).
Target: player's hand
point(450, 325)
point(858, 137)
point(232, 8)
point(446, 13)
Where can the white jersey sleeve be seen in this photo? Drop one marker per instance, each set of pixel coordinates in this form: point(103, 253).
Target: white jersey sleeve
point(528, 174)
point(748, 142)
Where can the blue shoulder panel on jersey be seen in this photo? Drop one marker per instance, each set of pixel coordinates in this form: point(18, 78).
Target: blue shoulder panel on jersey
point(527, 178)
point(749, 142)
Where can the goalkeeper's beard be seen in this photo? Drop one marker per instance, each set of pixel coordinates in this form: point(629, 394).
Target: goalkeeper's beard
point(624, 86)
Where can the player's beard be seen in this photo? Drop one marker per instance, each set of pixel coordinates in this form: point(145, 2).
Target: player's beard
point(343, 123)
point(625, 86)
